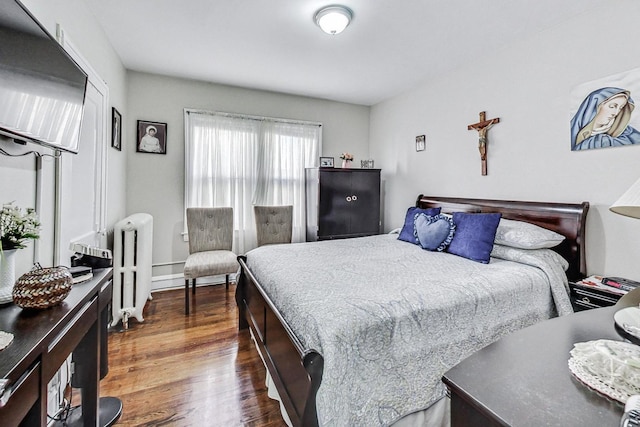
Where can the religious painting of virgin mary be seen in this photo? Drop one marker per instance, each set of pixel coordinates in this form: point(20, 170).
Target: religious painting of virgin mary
point(605, 116)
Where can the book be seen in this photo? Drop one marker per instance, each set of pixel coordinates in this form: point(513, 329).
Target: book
point(81, 273)
point(620, 283)
point(80, 270)
point(596, 282)
point(83, 278)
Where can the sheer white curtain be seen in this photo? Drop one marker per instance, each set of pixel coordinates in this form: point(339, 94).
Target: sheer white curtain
point(241, 161)
point(285, 150)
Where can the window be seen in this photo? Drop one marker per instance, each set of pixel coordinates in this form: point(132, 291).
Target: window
point(241, 161)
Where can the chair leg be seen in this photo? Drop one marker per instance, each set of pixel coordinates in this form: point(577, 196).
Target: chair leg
point(186, 297)
point(193, 290)
point(227, 282)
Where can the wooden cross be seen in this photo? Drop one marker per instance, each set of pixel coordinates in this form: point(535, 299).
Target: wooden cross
point(483, 127)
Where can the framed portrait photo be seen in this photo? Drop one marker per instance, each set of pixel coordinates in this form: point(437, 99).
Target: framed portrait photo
point(116, 129)
point(326, 162)
point(420, 143)
point(152, 137)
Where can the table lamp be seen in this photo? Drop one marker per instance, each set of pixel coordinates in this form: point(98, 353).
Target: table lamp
point(629, 203)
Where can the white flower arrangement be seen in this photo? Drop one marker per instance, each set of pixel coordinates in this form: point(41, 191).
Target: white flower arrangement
point(346, 156)
point(16, 227)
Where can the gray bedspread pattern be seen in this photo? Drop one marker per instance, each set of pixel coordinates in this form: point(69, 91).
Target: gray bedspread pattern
point(390, 318)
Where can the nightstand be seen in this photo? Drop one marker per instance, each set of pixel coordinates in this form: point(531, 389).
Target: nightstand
point(587, 297)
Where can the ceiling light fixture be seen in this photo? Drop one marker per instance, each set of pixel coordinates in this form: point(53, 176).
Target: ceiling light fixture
point(333, 19)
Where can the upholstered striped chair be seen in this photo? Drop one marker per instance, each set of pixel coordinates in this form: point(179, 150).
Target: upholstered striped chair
point(210, 240)
point(274, 224)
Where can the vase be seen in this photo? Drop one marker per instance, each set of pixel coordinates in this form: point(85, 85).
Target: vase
point(7, 275)
point(346, 164)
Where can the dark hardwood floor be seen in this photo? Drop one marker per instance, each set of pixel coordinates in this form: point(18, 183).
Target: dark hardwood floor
point(196, 370)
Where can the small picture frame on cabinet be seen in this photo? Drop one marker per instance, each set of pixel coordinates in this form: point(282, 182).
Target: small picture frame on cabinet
point(326, 162)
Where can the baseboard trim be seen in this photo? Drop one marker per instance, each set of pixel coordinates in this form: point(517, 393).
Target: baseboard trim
point(176, 281)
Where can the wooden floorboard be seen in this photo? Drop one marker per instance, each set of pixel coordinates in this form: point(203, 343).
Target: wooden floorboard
point(196, 370)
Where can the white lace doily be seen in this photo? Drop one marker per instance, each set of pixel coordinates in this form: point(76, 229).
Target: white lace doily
point(5, 339)
point(609, 367)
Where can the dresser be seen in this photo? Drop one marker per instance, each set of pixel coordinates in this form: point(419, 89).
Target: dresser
point(523, 379)
point(342, 203)
point(43, 339)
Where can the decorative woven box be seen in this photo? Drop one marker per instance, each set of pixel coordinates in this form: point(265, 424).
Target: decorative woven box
point(42, 287)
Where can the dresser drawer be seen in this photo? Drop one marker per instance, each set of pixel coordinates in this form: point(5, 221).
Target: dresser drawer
point(67, 340)
point(19, 397)
point(584, 299)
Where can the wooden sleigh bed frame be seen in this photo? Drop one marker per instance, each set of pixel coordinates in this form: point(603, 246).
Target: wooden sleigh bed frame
point(297, 372)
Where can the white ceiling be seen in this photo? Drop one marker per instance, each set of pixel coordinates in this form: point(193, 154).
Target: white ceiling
point(390, 46)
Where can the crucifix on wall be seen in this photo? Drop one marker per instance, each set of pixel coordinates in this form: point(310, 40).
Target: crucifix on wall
point(483, 127)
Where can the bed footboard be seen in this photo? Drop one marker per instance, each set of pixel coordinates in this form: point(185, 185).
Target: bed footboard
point(296, 372)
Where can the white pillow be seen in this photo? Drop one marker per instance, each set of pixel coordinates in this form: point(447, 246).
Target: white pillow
point(523, 235)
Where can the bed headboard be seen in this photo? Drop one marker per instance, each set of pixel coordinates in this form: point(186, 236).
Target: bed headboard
point(566, 219)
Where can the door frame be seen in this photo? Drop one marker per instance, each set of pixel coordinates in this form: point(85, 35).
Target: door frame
point(98, 234)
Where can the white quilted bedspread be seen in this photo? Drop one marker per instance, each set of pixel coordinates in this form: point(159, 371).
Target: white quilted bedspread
point(390, 318)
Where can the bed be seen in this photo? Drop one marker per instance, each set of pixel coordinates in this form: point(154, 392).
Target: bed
point(359, 331)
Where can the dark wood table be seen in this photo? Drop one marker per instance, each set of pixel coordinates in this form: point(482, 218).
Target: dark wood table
point(43, 339)
point(523, 379)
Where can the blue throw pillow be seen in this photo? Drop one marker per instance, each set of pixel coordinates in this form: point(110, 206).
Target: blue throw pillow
point(406, 233)
point(474, 235)
point(434, 232)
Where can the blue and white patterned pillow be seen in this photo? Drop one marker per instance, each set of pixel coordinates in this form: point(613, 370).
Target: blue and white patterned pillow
point(407, 233)
point(435, 232)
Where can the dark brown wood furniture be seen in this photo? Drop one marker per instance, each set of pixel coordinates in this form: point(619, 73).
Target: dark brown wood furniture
point(566, 219)
point(342, 203)
point(297, 371)
point(43, 339)
point(586, 297)
point(523, 379)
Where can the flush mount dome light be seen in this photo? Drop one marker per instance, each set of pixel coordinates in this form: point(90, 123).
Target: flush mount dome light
point(333, 19)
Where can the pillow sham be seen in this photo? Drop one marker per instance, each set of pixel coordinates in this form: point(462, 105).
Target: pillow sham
point(407, 233)
point(524, 235)
point(434, 233)
point(510, 253)
point(474, 236)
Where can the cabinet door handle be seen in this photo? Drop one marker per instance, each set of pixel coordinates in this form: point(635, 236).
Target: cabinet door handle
point(348, 198)
point(354, 197)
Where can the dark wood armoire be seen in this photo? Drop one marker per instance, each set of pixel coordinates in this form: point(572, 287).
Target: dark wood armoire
point(342, 203)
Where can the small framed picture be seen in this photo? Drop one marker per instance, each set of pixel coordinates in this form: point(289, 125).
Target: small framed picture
point(152, 137)
point(420, 143)
point(326, 162)
point(366, 164)
point(116, 129)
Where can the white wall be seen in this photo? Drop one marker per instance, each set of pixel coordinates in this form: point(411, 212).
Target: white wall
point(18, 184)
point(17, 175)
point(156, 182)
point(82, 29)
point(527, 85)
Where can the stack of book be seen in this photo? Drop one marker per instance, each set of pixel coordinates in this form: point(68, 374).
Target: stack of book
point(618, 285)
point(81, 273)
